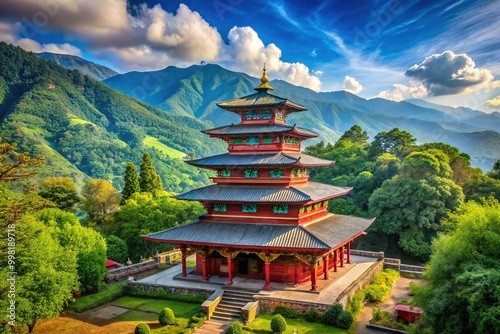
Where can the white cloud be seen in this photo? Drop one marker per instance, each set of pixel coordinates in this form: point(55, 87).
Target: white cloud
point(351, 85)
point(248, 53)
point(150, 38)
point(402, 92)
point(449, 73)
point(34, 46)
point(318, 73)
point(493, 103)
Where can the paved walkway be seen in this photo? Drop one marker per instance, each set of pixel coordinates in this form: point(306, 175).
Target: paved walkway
point(400, 290)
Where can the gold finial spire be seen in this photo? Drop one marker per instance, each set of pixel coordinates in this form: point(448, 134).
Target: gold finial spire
point(264, 81)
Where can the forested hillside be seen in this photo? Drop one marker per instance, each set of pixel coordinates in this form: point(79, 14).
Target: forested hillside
point(84, 128)
point(193, 91)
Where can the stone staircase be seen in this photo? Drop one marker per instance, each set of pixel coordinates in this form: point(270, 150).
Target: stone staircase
point(229, 308)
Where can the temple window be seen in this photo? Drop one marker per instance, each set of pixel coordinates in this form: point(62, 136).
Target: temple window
point(220, 207)
point(279, 115)
point(280, 208)
point(236, 141)
point(267, 140)
point(225, 173)
point(252, 141)
point(291, 140)
point(266, 114)
point(249, 207)
point(251, 173)
point(276, 173)
point(317, 206)
point(309, 208)
point(325, 204)
point(249, 115)
point(301, 210)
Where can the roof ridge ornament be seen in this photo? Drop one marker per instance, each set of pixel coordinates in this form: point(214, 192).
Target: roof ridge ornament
point(264, 85)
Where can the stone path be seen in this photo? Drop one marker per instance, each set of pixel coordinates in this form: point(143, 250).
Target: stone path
point(400, 290)
point(212, 327)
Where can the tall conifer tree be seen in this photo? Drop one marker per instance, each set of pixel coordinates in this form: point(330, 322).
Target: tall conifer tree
point(131, 182)
point(148, 179)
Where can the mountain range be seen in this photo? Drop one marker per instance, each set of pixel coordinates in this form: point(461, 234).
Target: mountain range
point(194, 91)
point(86, 129)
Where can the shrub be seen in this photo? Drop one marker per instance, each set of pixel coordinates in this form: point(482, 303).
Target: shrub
point(356, 303)
point(287, 312)
point(197, 320)
point(331, 314)
point(166, 317)
point(235, 328)
point(344, 320)
point(313, 315)
point(160, 293)
point(376, 293)
point(142, 328)
point(278, 324)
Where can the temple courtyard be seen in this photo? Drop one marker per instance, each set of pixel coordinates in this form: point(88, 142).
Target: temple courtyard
point(329, 290)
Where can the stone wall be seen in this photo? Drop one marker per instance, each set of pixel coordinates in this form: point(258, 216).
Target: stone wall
point(250, 311)
point(267, 305)
point(150, 289)
point(360, 282)
point(211, 303)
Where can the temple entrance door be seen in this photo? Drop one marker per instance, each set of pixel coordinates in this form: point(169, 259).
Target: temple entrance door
point(249, 265)
point(243, 266)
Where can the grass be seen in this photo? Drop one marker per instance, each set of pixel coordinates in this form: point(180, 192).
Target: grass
point(147, 310)
point(191, 263)
point(171, 152)
point(180, 309)
point(76, 120)
point(262, 325)
point(109, 293)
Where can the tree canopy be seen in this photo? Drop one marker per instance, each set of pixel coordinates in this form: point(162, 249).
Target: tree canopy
point(131, 184)
point(463, 294)
point(149, 181)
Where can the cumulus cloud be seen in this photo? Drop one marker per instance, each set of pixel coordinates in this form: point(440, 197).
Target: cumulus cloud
point(493, 103)
point(351, 85)
point(34, 46)
point(248, 53)
point(402, 92)
point(144, 38)
point(449, 73)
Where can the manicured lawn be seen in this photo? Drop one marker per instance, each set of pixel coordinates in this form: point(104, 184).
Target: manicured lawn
point(109, 293)
point(180, 309)
point(262, 325)
point(137, 316)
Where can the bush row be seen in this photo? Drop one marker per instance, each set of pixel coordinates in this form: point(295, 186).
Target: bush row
point(159, 293)
point(381, 285)
point(333, 316)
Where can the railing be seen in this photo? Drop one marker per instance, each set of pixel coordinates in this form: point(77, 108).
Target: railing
point(132, 269)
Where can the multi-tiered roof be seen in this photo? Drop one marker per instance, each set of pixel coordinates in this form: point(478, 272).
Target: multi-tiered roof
point(262, 197)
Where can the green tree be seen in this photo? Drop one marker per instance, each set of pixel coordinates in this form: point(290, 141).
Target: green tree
point(60, 190)
point(148, 179)
point(117, 249)
point(356, 135)
point(409, 207)
point(131, 182)
point(482, 186)
point(143, 213)
point(46, 274)
point(100, 198)
point(462, 294)
point(397, 142)
point(495, 172)
point(88, 244)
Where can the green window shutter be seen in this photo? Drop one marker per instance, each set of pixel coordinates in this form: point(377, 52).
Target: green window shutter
point(220, 207)
point(250, 173)
point(249, 207)
point(252, 141)
point(280, 208)
point(276, 173)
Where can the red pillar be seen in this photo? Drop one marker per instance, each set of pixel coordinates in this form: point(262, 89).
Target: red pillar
point(342, 256)
point(297, 273)
point(325, 267)
point(229, 271)
point(335, 260)
point(205, 267)
point(349, 252)
point(183, 254)
point(314, 285)
point(267, 273)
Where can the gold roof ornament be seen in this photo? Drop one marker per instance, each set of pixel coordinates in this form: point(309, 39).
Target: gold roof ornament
point(264, 82)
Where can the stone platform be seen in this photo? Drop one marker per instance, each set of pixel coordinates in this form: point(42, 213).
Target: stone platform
point(337, 288)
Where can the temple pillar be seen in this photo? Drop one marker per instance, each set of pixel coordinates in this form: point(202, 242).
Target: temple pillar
point(314, 284)
point(297, 279)
point(183, 255)
point(325, 267)
point(342, 256)
point(335, 260)
point(229, 271)
point(205, 266)
point(349, 252)
point(267, 273)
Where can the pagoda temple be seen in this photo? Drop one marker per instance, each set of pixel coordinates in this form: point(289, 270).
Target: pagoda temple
point(264, 219)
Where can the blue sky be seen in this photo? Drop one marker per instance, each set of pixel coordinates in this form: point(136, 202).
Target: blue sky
point(442, 51)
